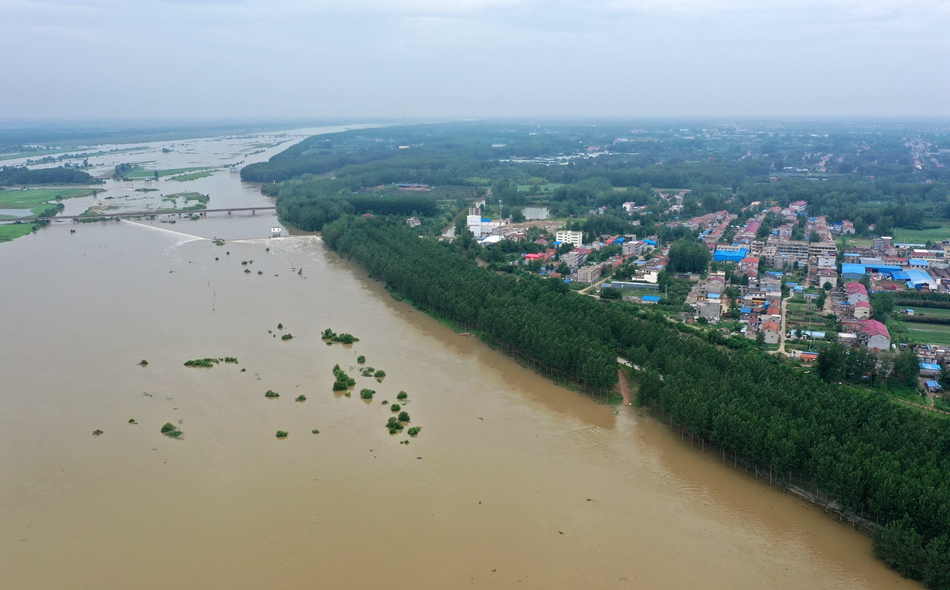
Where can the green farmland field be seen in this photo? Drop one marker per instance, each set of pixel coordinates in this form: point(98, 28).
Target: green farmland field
point(38, 199)
point(918, 333)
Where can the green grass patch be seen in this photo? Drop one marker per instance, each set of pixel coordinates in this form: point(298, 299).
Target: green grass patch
point(920, 236)
point(918, 333)
point(38, 200)
point(911, 395)
point(193, 176)
point(12, 231)
point(924, 312)
point(140, 173)
point(190, 201)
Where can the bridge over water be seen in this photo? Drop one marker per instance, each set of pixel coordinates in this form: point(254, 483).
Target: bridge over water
point(156, 213)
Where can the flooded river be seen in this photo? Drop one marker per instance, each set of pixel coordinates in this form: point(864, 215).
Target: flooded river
point(513, 482)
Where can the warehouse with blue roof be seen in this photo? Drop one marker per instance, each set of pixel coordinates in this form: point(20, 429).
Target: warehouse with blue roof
point(917, 279)
point(730, 255)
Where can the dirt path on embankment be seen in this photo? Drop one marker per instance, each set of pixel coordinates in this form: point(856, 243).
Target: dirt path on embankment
point(624, 387)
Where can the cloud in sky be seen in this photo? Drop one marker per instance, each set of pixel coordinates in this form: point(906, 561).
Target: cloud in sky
point(482, 58)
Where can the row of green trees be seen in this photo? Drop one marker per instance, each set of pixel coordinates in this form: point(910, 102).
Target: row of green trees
point(877, 458)
point(10, 175)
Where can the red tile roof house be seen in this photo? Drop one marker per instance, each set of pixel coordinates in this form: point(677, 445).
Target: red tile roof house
point(856, 292)
point(876, 335)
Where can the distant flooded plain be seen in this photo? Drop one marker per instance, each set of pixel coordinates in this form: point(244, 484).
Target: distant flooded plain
point(513, 481)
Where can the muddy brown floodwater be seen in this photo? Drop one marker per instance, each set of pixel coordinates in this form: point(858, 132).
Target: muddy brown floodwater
point(513, 482)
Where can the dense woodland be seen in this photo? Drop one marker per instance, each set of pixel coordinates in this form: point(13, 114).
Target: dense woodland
point(21, 175)
point(312, 203)
point(877, 458)
point(887, 176)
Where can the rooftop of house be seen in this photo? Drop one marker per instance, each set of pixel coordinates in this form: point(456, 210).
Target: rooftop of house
point(874, 328)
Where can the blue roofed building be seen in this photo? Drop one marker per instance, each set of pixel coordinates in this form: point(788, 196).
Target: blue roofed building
point(727, 254)
point(918, 279)
point(853, 272)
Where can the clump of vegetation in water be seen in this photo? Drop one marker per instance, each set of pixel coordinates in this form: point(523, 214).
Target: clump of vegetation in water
point(404, 442)
point(361, 359)
point(379, 375)
point(368, 372)
point(205, 362)
point(216, 258)
point(219, 242)
point(96, 432)
point(402, 395)
point(228, 253)
point(260, 272)
point(144, 363)
point(395, 407)
point(301, 398)
point(230, 359)
point(343, 381)
point(271, 393)
point(282, 434)
point(171, 430)
point(244, 370)
point(348, 393)
point(385, 402)
point(330, 336)
point(393, 425)
point(132, 421)
point(244, 262)
point(404, 416)
point(367, 393)
point(287, 336)
point(315, 431)
point(280, 326)
point(414, 430)
point(247, 271)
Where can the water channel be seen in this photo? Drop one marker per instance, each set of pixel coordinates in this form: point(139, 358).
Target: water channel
point(513, 482)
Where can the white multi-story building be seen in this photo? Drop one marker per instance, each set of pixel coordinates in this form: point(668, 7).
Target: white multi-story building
point(574, 238)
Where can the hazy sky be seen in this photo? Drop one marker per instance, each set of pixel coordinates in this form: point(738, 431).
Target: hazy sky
point(473, 58)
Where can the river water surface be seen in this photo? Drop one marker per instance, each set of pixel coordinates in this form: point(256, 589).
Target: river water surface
point(513, 482)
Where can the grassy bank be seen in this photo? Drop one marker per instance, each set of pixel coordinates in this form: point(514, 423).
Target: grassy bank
point(38, 200)
point(10, 232)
